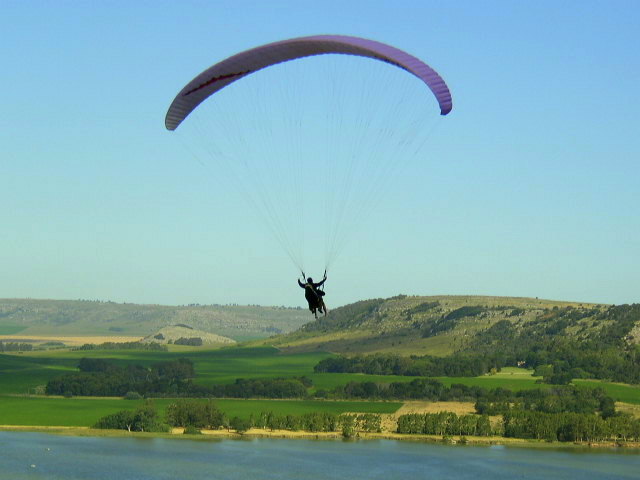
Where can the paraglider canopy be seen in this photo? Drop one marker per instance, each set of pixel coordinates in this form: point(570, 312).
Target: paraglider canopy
point(242, 64)
point(311, 143)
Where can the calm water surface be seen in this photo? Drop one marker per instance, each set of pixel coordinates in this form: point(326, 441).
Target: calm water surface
point(41, 456)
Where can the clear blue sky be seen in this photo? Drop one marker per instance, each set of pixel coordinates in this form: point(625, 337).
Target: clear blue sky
point(534, 191)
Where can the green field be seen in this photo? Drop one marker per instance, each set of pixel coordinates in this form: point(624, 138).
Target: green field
point(618, 391)
point(84, 412)
point(19, 374)
point(11, 330)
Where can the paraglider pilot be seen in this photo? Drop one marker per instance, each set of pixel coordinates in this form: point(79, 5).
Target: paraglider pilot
point(314, 295)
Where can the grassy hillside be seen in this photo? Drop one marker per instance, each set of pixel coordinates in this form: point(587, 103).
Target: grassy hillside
point(438, 325)
point(82, 317)
point(174, 333)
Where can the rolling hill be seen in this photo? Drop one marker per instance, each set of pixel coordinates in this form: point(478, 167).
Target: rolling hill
point(90, 318)
point(185, 335)
point(441, 325)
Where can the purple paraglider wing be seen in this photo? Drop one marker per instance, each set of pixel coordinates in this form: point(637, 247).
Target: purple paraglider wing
point(234, 68)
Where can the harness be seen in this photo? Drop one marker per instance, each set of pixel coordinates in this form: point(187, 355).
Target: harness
point(315, 290)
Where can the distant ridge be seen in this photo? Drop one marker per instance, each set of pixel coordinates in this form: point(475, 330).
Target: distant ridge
point(439, 325)
point(90, 318)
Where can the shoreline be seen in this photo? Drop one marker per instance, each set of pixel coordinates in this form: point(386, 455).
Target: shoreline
point(254, 433)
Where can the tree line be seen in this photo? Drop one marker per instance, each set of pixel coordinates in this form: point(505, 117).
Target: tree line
point(564, 427)
point(570, 427)
point(15, 347)
point(445, 423)
point(100, 377)
point(418, 366)
point(194, 415)
point(152, 346)
point(557, 399)
point(143, 419)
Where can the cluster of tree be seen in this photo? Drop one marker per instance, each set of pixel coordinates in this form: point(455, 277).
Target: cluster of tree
point(15, 347)
point(153, 347)
point(350, 424)
point(311, 422)
point(191, 341)
point(420, 388)
point(143, 419)
point(193, 413)
point(242, 388)
point(565, 427)
point(365, 422)
point(100, 377)
point(570, 427)
point(444, 423)
point(263, 388)
point(560, 399)
point(558, 376)
point(419, 366)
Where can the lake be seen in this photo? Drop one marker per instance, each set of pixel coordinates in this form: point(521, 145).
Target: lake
point(39, 456)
